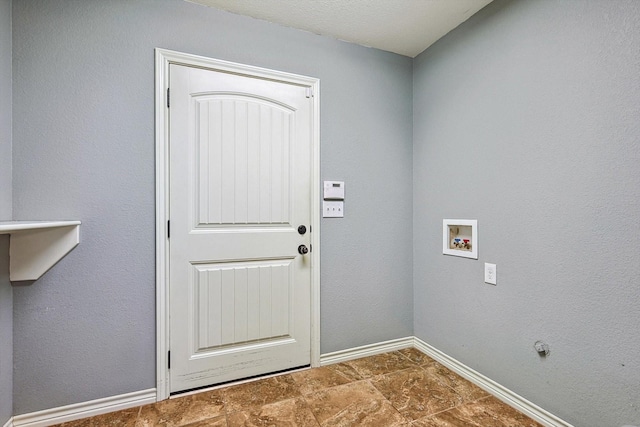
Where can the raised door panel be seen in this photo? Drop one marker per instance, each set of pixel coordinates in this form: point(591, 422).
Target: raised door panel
point(241, 302)
point(243, 154)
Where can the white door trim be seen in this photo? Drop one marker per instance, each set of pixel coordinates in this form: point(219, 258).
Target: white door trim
point(163, 59)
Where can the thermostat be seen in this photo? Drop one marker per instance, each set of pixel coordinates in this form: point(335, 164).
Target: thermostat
point(334, 190)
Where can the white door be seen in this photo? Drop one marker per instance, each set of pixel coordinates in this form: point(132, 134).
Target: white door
point(240, 186)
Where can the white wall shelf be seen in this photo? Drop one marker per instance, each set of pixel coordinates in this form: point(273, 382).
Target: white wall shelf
point(36, 246)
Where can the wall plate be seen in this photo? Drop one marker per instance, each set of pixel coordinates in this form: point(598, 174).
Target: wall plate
point(332, 209)
point(490, 273)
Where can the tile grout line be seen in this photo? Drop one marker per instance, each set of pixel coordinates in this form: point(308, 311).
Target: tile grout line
point(454, 407)
point(405, 417)
point(308, 407)
point(462, 402)
point(310, 410)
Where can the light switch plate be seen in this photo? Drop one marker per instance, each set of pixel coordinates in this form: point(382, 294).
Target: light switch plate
point(332, 209)
point(490, 273)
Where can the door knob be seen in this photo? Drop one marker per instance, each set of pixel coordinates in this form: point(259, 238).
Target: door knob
point(302, 249)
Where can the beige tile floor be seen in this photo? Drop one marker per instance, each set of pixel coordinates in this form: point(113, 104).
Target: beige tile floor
point(400, 388)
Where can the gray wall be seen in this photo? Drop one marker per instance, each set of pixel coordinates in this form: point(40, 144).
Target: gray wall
point(5, 110)
point(84, 149)
point(526, 119)
point(6, 293)
point(6, 334)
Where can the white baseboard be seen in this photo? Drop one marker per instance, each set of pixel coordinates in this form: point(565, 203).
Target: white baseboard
point(101, 406)
point(84, 409)
point(366, 350)
point(507, 396)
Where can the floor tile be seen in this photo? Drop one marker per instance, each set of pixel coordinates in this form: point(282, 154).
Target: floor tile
point(286, 413)
point(487, 412)
point(416, 356)
point(354, 404)
point(182, 411)
point(258, 393)
point(380, 364)
point(347, 371)
point(415, 394)
point(220, 421)
point(312, 380)
point(463, 387)
point(124, 418)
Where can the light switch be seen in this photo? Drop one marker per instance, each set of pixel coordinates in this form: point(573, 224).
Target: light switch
point(332, 209)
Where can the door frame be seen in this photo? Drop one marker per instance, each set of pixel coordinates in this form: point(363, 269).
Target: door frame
point(163, 58)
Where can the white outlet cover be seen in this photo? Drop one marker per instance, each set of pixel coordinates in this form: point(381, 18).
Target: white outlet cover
point(490, 273)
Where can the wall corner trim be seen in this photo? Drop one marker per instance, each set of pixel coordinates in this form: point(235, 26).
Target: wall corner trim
point(507, 396)
point(9, 423)
point(77, 411)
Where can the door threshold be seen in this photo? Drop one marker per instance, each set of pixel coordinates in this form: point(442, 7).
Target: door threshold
point(217, 386)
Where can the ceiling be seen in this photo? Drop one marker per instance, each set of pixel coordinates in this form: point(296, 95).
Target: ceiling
point(406, 27)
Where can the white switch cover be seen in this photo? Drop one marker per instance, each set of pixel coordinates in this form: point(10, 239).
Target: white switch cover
point(332, 209)
point(490, 273)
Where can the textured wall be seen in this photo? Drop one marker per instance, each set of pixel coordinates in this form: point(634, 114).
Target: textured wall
point(5, 109)
point(6, 334)
point(526, 119)
point(6, 293)
point(84, 149)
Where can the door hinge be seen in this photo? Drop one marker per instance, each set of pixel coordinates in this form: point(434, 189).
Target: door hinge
point(168, 229)
point(309, 92)
point(168, 98)
point(169, 359)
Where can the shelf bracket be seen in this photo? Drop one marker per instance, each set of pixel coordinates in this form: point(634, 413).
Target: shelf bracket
point(36, 247)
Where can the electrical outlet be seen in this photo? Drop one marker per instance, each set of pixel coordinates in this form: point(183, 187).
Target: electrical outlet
point(490, 273)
